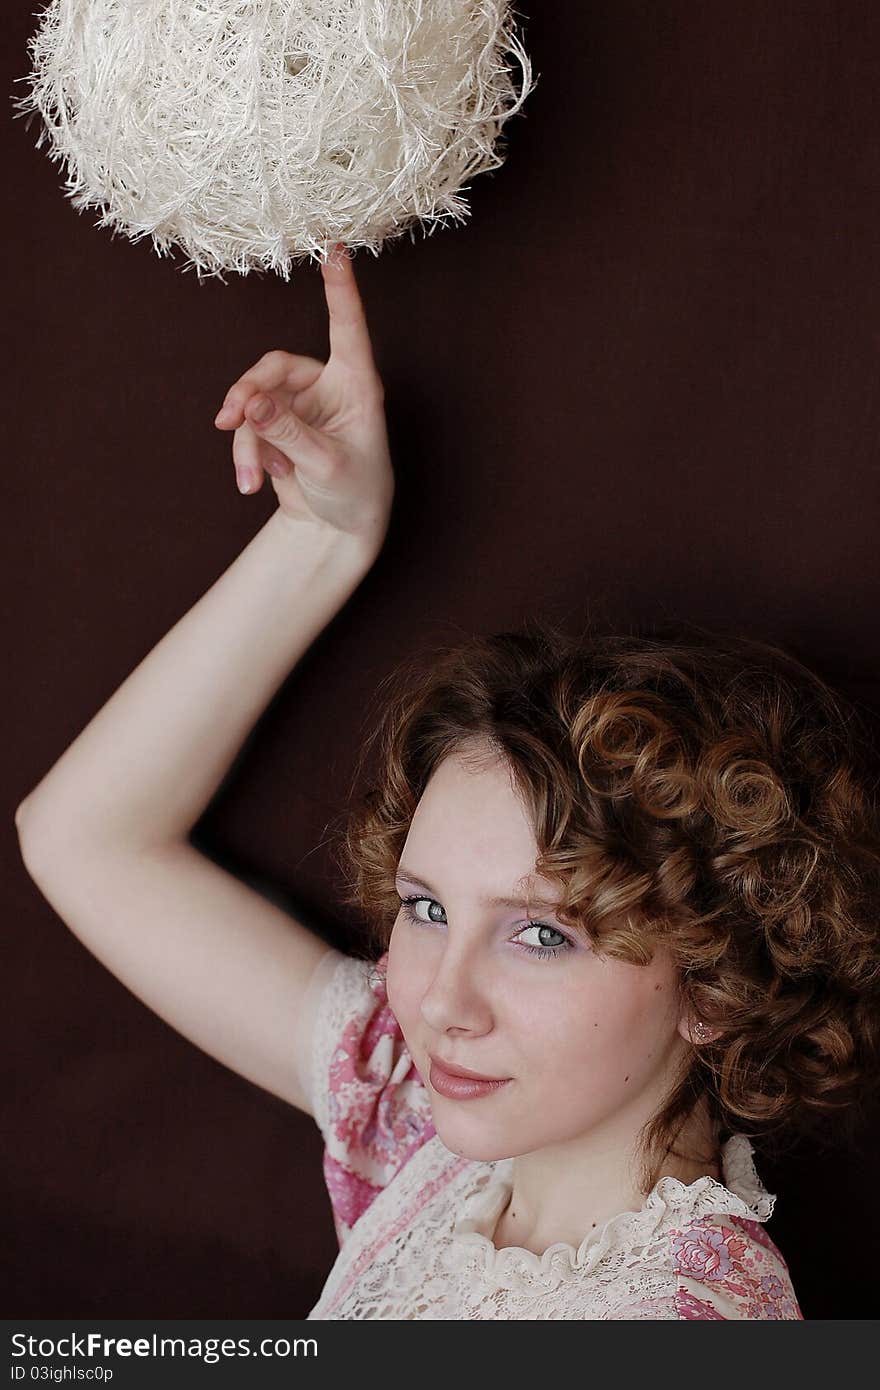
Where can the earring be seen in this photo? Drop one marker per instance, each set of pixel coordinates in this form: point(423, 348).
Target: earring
point(701, 1031)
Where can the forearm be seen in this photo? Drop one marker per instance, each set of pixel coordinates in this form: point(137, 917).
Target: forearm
point(146, 766)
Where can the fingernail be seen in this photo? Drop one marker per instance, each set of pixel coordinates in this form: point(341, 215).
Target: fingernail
point(246, 480)
point(277, 467)
point(263, 411)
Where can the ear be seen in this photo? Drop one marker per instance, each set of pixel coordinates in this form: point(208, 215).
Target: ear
point(694, 1031)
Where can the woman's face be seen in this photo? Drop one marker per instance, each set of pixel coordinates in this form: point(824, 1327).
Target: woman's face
point(588, 1043)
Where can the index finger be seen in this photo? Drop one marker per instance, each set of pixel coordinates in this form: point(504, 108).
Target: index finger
point(349, 336)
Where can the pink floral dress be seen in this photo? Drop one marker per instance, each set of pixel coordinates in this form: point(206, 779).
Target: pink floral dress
point(414, 1220)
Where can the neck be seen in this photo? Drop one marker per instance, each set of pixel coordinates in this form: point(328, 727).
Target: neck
point(563, 1193)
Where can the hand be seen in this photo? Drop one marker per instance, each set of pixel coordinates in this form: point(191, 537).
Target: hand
point(325, 443)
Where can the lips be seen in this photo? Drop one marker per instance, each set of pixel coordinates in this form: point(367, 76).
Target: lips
point(463, 1071)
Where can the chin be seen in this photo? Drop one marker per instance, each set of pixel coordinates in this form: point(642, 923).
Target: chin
point(474, 1141)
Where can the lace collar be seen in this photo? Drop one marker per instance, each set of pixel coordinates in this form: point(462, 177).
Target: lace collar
point(670, 1203)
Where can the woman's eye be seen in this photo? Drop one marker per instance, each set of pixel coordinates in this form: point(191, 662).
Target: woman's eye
point(544, 944)
point(550, 940)
point(409, 906)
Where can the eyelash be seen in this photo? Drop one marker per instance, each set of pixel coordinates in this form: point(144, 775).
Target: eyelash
point(543, 952)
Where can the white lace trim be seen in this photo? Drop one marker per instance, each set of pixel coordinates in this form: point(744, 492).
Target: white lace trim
point(670, 1202)
point(402, 1261)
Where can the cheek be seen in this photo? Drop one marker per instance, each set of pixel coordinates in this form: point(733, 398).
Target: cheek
point(603, 1029)
point(402, 981)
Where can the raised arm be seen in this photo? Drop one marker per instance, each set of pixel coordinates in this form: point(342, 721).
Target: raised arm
point(105, 833)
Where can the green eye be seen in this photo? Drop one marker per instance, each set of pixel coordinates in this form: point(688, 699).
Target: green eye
point(545, 951)
point(408, 908)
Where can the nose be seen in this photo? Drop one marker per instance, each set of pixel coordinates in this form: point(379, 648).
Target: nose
point(456, 998)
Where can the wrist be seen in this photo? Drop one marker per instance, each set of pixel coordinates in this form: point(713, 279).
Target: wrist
point(355, 551)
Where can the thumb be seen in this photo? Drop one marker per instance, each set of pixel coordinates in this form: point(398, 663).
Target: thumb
point(278, 425)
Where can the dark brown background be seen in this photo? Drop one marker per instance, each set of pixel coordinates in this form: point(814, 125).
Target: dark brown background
point(641, 382)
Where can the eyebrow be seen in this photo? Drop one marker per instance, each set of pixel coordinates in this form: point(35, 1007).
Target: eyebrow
point(404, 873)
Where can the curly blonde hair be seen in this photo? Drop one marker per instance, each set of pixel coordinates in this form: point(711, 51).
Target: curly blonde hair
point(703, 791)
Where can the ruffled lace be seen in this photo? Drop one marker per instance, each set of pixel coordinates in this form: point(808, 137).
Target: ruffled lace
point(670, 1203)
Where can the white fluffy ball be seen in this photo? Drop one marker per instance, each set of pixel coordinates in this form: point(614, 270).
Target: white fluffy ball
point(256, 133)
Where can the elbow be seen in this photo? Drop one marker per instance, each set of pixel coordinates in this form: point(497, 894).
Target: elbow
point(35, 838)
point(24, 829)
point(23, 821)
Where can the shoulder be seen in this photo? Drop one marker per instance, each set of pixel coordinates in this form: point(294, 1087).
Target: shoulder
point(719, 1267)
point(361, 1046)
point(727, 1267)
point(370, 1102)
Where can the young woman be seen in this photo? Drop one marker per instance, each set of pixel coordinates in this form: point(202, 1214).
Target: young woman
point(623, 894)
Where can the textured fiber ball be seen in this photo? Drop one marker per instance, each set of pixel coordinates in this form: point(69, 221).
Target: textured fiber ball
point(257, 133)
